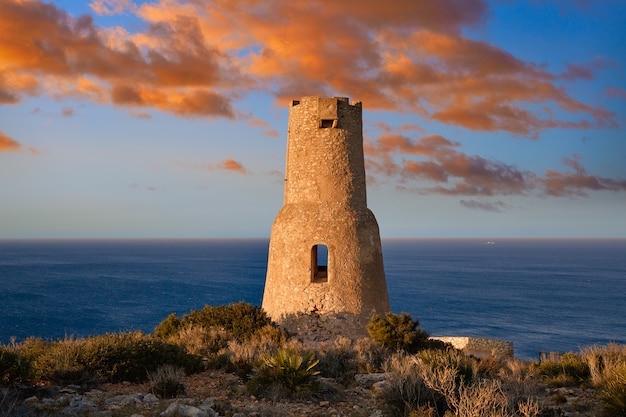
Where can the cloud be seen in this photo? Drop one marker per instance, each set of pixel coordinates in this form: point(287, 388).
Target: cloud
point(8, 144)
point(110, 7)
point(145, 187)
point(140, 115)
point(433, 164)
point(587, 70)
point(197, 59)
point(228, 164)
point(616, 91)
point(231, 165)
point(496, 206)
point(577, 183)
point(438, 161)
point(267, 129)
point(169, 67)
point(67, 112)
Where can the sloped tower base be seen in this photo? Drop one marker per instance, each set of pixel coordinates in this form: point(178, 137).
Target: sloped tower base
point(354, 250)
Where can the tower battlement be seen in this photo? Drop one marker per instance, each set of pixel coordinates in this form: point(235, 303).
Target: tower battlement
point(325, 253)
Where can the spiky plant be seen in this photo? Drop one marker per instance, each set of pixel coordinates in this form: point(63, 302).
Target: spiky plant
point(290, 368)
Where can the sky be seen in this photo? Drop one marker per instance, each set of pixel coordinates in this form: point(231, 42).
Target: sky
point(168, 118)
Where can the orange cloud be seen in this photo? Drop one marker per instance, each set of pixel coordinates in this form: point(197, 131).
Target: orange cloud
point(48, 49)
point(7, 144)
point(232, 165)
point(228, 164)
point(195, 59)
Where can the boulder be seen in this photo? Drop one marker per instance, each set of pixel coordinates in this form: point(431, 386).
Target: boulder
point(176, 409)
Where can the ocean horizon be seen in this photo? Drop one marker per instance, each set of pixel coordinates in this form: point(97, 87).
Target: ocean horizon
point(542, 294)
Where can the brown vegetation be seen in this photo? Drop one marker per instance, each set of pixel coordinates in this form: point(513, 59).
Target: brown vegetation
point(263, 371)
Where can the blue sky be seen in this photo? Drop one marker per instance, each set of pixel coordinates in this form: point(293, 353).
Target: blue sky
point(169, 118)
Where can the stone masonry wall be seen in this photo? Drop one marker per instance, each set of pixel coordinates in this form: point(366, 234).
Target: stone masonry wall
point(325, 204)
point(480, 346)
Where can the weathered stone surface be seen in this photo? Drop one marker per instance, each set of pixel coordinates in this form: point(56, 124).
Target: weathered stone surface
point(183, 410)
point(480, 346)
point(325, 204)
point(80, 405)
point(369, 379)
point(31, 400)
point(150, 398)
point(124, 400)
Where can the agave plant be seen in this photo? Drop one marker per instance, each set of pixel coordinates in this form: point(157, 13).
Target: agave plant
point(289, 367)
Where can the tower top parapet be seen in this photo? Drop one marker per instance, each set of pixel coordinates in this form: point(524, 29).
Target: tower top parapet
point(325, 152)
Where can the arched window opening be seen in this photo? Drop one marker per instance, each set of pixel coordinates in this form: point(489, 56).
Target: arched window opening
point(319, 263)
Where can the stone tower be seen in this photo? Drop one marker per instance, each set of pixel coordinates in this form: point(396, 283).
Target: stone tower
point(325, 254)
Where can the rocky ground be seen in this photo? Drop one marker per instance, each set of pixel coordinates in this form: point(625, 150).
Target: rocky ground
point(217, 393)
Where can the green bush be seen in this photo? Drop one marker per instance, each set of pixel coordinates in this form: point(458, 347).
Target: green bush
point(288, 368)
point(241, 320)
point(131, 356)
point(569, 369)
point(171, 325)
point(112, 357)
point(398, 332)
point(61, 363)
point(14, 368)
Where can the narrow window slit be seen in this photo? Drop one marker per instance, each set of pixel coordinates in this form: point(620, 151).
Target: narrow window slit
point(319, 263)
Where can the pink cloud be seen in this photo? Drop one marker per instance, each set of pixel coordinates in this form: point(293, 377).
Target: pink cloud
point(440, 167)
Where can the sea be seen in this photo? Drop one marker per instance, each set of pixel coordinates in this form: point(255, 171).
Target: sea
point(545, 295)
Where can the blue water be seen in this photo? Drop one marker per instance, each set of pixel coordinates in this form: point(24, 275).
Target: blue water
point(544, 295)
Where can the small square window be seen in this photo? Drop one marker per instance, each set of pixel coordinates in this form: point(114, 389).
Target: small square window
point(328, 123)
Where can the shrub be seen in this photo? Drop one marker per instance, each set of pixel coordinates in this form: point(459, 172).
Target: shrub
point(569, 369)
point(112, 357)
point(241, 320)
point(14, 368)
point(165, 382)
point(398, 332)
point(130, 356)
point(405, 392)
point(453, 359)
point(198, 340)
point(613, 393)
point(242, 356)
point(60, 363)
point(171, 325)
point(370, 355)
point(603, 361)
point(338, 360)
point(288, 368)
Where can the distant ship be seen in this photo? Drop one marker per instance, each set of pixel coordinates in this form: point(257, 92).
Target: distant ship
point(490, 242)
